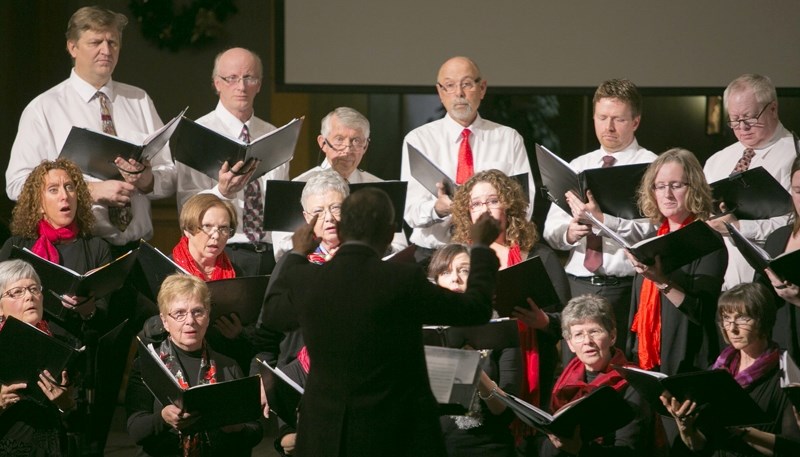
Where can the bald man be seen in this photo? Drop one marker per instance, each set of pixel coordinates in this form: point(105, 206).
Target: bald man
point(460, 133)
point(237, 78)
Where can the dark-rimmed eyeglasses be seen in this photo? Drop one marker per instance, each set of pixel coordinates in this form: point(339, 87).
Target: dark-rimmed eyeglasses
point(468, 85)
point(673, 186)
point(339, 144)
point(197, 314)
point(748, 121)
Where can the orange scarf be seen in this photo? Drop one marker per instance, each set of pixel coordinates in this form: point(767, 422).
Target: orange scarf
point(647, 320)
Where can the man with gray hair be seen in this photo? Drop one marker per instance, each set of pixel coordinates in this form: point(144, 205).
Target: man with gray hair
point(344, 139)
point(752, 105)
point(237, 78)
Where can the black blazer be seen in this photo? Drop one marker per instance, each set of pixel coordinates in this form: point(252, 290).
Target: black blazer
point(368, 391)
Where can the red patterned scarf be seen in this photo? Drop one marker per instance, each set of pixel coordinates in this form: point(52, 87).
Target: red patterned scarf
point(647, 320)
point(320, 256)
point(191, 444)
point(572, 385)
point(304, 359)
point(49, 236)
point(730, 357)
point(222, 266)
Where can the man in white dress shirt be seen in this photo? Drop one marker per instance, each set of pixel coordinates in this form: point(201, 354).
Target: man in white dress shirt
point(488, 146)
point(617, 114)
point(344, 139)
point(752, 105)
point(237, 78)
point(94, 39)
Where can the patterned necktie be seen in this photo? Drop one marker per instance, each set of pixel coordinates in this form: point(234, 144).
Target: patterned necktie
point(744, 162)
point(253, 216)
point(465, 168)
point(594, 243)
point(120, 216)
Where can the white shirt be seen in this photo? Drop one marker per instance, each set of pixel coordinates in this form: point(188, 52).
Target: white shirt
point(46, 122)
point(494, 146)
point(283, 240)
point(614, 261)
point(191, 181)
point(776, 157)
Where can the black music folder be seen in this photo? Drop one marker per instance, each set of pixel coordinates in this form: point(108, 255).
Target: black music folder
point(720, 398)
point(155, 266)
point(205, 150)
point(95, 152)
point(283, 211)
point(242, 296)
point(25, 351)
point(61, 280)
point(598, 413)
point(453, 375)
point(213, 402)
point(283, 393)
point(428, 174)
point(786, 265)
point(676, 248)
point(614, 188)
point(497, 334)
point(525, 279)
point(752, 195)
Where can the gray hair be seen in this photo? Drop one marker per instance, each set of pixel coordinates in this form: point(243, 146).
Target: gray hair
point(12, 271)
point(259, 65)
point(322, 182)
point(348, 117)
point(587, 308)
point(762, 87)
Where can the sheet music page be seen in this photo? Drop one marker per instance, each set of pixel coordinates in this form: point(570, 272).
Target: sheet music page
point(442, 368)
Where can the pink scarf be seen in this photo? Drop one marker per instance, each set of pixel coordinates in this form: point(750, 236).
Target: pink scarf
point(44, 246)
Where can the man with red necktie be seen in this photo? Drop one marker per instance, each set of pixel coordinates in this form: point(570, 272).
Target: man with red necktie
point(752, 105)
point(460, 144)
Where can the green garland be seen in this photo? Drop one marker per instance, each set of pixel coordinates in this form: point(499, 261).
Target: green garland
point(198, 22)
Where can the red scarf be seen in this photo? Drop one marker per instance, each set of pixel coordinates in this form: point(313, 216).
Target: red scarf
point(191, 444)
point(730, 357)
point(304, 359)
point(647, 320)
point(44, 246)
point(571, 385)
point(529, 345)
point(222, 265)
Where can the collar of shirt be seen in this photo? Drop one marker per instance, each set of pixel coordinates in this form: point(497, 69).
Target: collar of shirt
point(780, 132)
point(453, 129)
point(232, 124)
point(86, 91)
point(622, 156)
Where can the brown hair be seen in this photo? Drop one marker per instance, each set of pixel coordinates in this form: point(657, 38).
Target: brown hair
point(623, 90)
point(27, 212)
point(751, 299)
point(178, 286)
point(518, 228)
point(443, 258)
point(195, 208)
point(94, 18)
point(698, 194)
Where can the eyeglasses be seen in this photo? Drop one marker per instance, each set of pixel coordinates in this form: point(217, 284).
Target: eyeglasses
point(234, 80)
point(340, 143)
point(224, 231)
point(16, 293)
point(335, 210)
point(674, 186)
point(728, 321)
point(749, 121)
point(592, 334)
point(491, 203)
point(197, 314)
point(467, 85)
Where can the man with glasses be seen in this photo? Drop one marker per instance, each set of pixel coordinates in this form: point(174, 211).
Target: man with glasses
point(344, 139)
point(237, 78)
point(461, 144)
point(597, 266)
point(752, 105)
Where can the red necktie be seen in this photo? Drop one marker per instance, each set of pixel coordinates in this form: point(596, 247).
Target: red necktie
point(466, 167)
point(744, 162)
point(119, 216)
point(594, 243)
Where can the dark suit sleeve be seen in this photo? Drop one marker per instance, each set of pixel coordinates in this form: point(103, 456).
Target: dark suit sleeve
point(279, 313)
point(701, 283)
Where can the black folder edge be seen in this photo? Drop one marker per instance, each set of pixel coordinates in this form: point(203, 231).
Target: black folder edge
point(558, 178)
point(427, 173)
point(790, 378)
point(786, 265)
point(525, 279)
point(751, 187)
point(155, 266)
point(283, 393)
point(242, 295)
point(13, 330)
point(497, 334)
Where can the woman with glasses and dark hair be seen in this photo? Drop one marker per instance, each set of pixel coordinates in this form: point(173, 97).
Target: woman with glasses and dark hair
point(672, 314)
point(493, 192)
point(746, 314)
point(589, 328)
point(28, 427)
point(184, 308)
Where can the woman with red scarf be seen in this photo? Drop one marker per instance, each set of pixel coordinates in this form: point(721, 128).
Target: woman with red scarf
point(746, 316)
point(28, 427)
point(672, 315)
point(184, 306)
point(494, 192)
point(589, 328)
